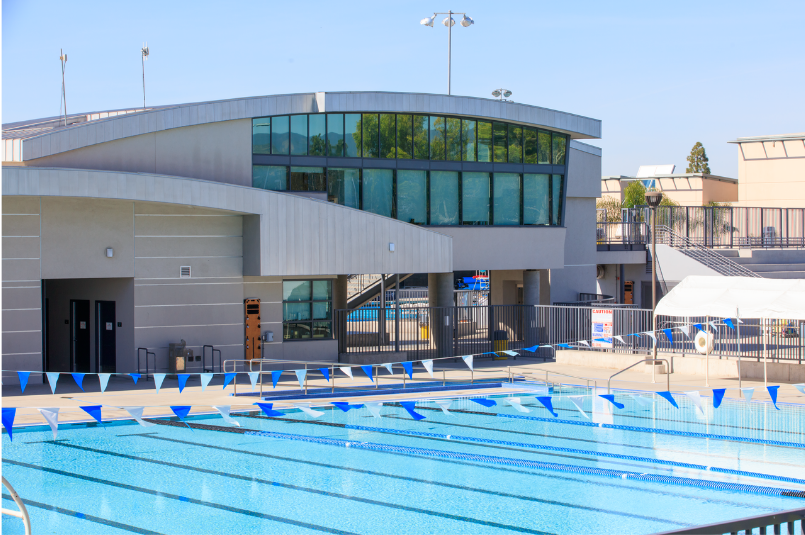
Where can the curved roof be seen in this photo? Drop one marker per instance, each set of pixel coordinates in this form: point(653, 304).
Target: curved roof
point(38, 143)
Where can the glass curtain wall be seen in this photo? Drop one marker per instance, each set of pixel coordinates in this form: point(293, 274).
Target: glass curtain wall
point(557, 191)
point(299, 135)
point(405, 140)
point(279, 135)
point(307, 309)
point(261, 136)
point(378, 191)
point(308, 179)
point(468, 138)
point(475, 198)
point(485, 150)
point(271, 177)
point(421, 147)
point(412, 196)
point(335, 134)
point(352, 135)
point(444, 198)
point(506, 198)
point(388, 144)
point(536, 199)
point(370, 135)
point(317, 135)
point(344, 187)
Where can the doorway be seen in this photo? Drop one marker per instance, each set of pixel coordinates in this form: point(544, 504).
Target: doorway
point(79, 335)
point(105, 337)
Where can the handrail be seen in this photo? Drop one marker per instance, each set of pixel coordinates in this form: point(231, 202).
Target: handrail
point(646, 361)
point(748, 524)
point(204, 358)
point(705, 255)
point(139, 370)
point(22, 513)
point(595, 383)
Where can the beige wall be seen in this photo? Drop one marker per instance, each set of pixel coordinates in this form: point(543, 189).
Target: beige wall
point(772, 174)
point(686, 190)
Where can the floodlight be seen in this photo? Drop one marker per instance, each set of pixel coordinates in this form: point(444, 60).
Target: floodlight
point(427, 21)
point(507, 93)
point(451, 23)
point(495, 93)
point(467, 21)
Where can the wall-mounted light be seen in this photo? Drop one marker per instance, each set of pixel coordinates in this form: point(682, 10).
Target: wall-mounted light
point(110, 252)
point(391, 247)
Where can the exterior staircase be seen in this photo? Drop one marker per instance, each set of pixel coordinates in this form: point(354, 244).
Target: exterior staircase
point(711, 258)
point(769, 263)
point(361, 289)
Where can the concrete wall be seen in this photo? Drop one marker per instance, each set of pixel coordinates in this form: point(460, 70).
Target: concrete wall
point(506, 247)
point(687, 189)
point(772, 174)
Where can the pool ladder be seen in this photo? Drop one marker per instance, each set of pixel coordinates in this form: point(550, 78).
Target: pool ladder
point(22, 513)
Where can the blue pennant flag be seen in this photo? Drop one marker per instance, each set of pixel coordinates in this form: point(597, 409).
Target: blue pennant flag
point(268, 410)
point(135, 376)
point(344, 406)
point(669, 397)
point(409, 406)
point(23, 379)
point(698, 326)
point(183, 377)
point(668, 334)
point(367, 369)
point(228, 379)
point(485, 402)
point(611, 399)
point(728, 323)
point(275, 375)
point(409, 368)
point(79, 379)
point(564, 345)
point(773, 393)
point(532, 349)
point(718, 396)
point(94, 411)
point(546, 402)
point(326, 373)
point(181, 412)
point(8, 420)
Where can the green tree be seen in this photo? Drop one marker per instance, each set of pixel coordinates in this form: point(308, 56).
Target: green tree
point(634, 194)
point(609, 209)
point(697, 161)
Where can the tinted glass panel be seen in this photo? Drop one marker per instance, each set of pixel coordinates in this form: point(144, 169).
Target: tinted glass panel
point(421, 149)
point(444, 198)
point(322, 329)
point(335, 134)
point(295, 311)
point(388, 142)
point(307, 179)
point(557, 188)
point(261, 136)
point(506, 199)
point(544, 147)
point(475, 198)
point(279, 135)
point(316, 145)
point(515, 144)
point(271, 177)
point(322, 291)
point(500, 141)
point(369, 123)
point(468, 138)
point(405, 146)
point(377, 191)
point(412, 196)
point(453, 135)
point(437, 139)
point(530, 142)
point(344, 186)
point(536, 198)
point(484, 141)
point(321, 311)
point(299, 135)
point(296, 331)
point(352, 134)
point(296, 290)
point(559, 144)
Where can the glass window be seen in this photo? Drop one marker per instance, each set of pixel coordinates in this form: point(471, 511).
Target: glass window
point(536, 199)
point(296, 290)
point(437, 139)
point(378, 187)
point(261, 135)
point(484, 141)
point(515, 144)
point(453, 137)
point(544, 147)
point(344, 186)
point(352, 134)
point(307, 179)
point(559, 144)
point(530, 145)
point(444, 198)
point(306, 309)
point(506, 199)
point(388, 144)
point(557, 190)
point(322, 291)
point(335, 134)
point(316, 145)
point(475, 198)
point(279, 135)
point(421, 149)
point(369, 123)
point(299, 135)
point(499, 130)
point(405, 147)
point(468, 137)
point(412, 196)
point(271, 177)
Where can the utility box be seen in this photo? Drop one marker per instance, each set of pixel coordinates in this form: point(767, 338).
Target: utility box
point(179, 357)
point(253, 342)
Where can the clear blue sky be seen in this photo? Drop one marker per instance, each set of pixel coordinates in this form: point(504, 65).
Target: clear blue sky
point(660, 75)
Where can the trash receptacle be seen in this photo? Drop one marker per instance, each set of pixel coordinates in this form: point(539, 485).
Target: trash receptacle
point(500, 341)
point(423, 331)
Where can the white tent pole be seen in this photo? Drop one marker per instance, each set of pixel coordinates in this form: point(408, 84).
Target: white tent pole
point(738, 331)
point(707, 351)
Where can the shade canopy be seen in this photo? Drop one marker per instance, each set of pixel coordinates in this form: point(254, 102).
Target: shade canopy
point(730, 297)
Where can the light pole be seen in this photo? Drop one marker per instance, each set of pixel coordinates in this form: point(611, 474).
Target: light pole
point(653, 199)
point(501, 94)
point(449, 22)
point(145, 53)
point(63, 59)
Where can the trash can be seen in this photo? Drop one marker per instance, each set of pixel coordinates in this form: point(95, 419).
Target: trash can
point(500, 340)
point(423, 331)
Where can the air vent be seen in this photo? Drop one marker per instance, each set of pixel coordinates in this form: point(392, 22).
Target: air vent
point(184, 272)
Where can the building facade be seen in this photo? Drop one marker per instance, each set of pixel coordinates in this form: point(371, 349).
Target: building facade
point(771, 171)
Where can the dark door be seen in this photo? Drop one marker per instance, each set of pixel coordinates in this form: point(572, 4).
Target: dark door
point(105, 338)
point(79, 335)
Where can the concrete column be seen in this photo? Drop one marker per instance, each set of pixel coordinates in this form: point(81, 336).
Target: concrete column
point(544, 287)
point(440, 289)
point(440, 294)
point(340, 303)
point(531, 287)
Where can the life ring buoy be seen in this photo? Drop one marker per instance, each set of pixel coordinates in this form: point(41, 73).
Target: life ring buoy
point(704, 342)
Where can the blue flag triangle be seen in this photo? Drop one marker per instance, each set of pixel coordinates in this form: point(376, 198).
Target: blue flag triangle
point(409, 406)
point(773, 393)
point(94, 411)
point(267, 409)
point(564, 345)
point(326, 373)
point(718, 396)
point(485, 402)
point(532, 349)
point(228, 378)
point(367, 369)
point(698, 326)
point(23, 379)
point(546, 402)
point(183, 377)
point(409, 368)
point(181, 412)
point(728, 323)
point(8, 420)
point(79, 379)
point(344, 406)
point(135, 376)
point(275, 375)
point(611, 399)
point(669, 397)
point(668, 334)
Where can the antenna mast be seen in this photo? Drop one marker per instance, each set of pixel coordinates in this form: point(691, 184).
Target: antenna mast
point(63, 59)
point(145, 53)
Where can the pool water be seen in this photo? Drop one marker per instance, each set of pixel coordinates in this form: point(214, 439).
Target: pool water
point(475, 470)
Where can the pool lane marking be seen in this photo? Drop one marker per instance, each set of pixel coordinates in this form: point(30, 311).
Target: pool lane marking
point(180, 498)
point(266, 482)
point(83, 516)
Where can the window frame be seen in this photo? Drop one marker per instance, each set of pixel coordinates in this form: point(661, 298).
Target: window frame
point(310, 302)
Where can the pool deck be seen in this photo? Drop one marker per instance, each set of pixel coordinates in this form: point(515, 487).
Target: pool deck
point(122, 392)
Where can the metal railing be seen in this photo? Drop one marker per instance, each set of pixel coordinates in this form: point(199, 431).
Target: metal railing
point(704, 255)
point(747, 525)
point(22, 513)
point(212, 358)
point(139, 369)
point(668, 372)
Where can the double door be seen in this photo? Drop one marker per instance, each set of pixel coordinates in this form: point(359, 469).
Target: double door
point(105, 336)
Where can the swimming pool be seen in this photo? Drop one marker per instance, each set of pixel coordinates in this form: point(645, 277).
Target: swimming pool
point(476, 470)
